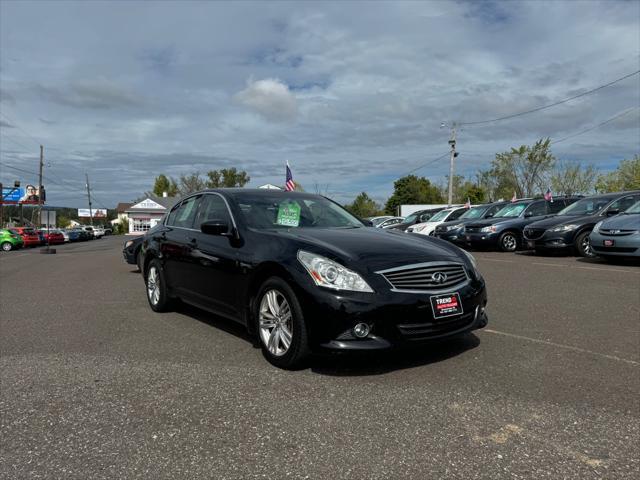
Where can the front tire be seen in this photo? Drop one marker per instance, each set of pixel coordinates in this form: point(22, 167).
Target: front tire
point(583, 245)
point(156, 287)
point(508, 242)
point(6, 247)
point(280, 325)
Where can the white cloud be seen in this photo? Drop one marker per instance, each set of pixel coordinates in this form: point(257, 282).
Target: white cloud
point(270, 98)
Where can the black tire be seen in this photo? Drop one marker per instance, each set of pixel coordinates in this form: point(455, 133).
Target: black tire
point(295, 355)
point(508, 242)
point(6, 247)
point(583, 245)
point(159, 300)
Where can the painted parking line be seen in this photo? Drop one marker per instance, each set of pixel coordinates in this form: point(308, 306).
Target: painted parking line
point(560, 345)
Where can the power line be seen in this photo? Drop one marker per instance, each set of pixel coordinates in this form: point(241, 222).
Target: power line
point(17, 143)
point(626, 112)
point(588, 92)
point(15, 125)
point(426, 164)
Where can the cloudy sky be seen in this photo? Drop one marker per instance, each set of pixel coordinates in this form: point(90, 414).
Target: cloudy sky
point(351, 94)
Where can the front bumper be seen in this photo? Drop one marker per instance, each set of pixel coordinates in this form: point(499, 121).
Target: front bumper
point(623, 245)
point(395, 319)
point(551, 241)
point(453, 236)
point(478, 239)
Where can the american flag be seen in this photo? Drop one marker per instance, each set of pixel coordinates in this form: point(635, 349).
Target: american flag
point(289, 186)
point(468, 204)
point(548, 196)
point(514, 198)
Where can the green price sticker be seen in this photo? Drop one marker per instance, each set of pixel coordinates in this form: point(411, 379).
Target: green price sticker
point(288, 214)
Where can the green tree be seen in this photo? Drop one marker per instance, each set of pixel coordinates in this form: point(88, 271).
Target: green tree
point(625, 177)
point(474, 193)
point(364, 206)
point(227, 178)
point(165, 184)
point(189, 183)
point(570, 179)
point(412, 190)
point(525, 170)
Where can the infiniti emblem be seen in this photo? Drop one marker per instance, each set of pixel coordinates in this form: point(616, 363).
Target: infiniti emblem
point(439, 277)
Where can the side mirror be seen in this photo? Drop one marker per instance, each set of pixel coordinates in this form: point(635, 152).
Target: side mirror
point(489, 215)
point(368, 223)
point(215, 227)
point(613, 211)
point(528, 214)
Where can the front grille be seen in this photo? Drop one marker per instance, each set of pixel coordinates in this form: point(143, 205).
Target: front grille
point(474, 228)
point(421, 277)
point(435, 328)
point(533, 233)
point(616, 233)
point(440, 229)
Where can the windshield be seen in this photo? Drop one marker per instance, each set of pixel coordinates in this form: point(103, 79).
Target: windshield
point(284, 211)
point(379, 220)
point(586, 206)
point(475, 212)
point(513, 210)
point(411, 218)
point(635, 208)
point(441, 215)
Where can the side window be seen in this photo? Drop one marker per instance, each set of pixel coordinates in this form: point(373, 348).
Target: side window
point(492, 211)
point(184, 215)
point(456, 214)
point(556, 206)
point(623, 203)
point(536, 209)
point(213, 207)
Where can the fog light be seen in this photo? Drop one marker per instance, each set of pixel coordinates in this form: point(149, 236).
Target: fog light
point(361, 330)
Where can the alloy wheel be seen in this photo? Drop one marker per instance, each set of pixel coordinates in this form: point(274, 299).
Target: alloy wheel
point(153, 285)
point(275, 322)
point(6, 246)
point(509, 242)
point(585, 246)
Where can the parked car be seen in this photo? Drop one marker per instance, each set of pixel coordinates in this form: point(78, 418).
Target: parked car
point(89, 232)
point(453, 231)
point(10, 240)
point(108, 231)
point(53, 237)
point(504, 230)
point(76, 235)
point(446, 215)
point(618, 236)
point(65, 235)
point(302, 273)
point(570, 229)
point(98, 231)
point(420, 216)
point(131, 250)
point(29, 236)
point(41, 236)
point(375, 221)
point(390, 222)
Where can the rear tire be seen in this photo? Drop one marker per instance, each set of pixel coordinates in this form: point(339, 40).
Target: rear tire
point(583, 245)
point(6, 247)
point(156, 287)
point(280, 324)
point(508, 242)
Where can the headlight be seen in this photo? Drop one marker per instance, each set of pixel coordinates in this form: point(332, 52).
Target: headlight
point(418, 228)
point(327, 273)
point(597, 226)
point(454, 227)
point(489, 229)
point(472, 259)
point(128, 244)
point(565, 228)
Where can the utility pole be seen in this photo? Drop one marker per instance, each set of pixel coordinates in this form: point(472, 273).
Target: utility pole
point(89, 197)
point(454, 154)
point(40, 189)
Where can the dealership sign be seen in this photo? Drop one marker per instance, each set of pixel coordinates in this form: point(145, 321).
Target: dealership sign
point(97, 212)
point(28, 195)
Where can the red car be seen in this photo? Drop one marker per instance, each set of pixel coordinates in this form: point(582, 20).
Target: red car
point(53, 237)
point(29, 236)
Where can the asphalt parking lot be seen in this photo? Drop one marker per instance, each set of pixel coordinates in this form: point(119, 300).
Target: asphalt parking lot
point(96, 385)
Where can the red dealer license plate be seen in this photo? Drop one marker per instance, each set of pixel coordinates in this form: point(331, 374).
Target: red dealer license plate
point(609, 243)
point(446, 305)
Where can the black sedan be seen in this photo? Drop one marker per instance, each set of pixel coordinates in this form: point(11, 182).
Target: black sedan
point(131, 250)
point(571, 228)
point(453, 231)
point(301, 273)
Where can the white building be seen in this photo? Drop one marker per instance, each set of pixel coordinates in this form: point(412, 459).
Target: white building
point(146, 214)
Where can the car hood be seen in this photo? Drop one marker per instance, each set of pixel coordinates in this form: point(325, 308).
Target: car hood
point(373, 248)
point(622, 222)
point(492, 221)
point(565, 219)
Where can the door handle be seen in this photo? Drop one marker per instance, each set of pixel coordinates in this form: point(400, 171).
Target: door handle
point(193, 241)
